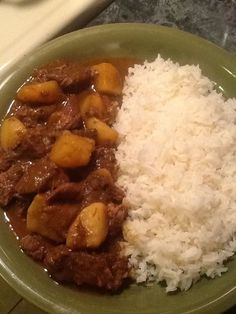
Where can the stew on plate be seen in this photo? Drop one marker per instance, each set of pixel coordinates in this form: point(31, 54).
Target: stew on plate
point(58, 171)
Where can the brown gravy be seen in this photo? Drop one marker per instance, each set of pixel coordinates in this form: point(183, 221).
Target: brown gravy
point(63, 264)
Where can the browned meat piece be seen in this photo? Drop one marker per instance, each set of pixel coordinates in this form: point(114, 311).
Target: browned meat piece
point(34, 246)
point(116, 194)
point(6, 159)
point(95, 189)
point(104, 157)
point(5, 162)
point(19, 207)
point(67, 118)
point(40, 176)
point(8, 180)
point(116, 216)
point(37, 143)
point(33, 115)
point(69, 191)
point(58, 263)
point(74, 192)
point(59, 178)
point(69, 75)
point(51, 221)
point(104, 270)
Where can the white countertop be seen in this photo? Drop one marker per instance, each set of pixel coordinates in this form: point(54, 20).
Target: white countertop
point(25, 24)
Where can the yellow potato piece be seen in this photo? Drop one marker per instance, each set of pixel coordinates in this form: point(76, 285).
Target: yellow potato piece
point(91, 104)
point(52, 221)
point(46, 92)
point(34, 211)
point(12, 133)
point(105, 173)
point(72, 151)
point(89, 229)
point(105, 134)
point(107, 79)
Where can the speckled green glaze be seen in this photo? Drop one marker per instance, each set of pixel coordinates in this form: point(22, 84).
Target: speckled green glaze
point(142, 41)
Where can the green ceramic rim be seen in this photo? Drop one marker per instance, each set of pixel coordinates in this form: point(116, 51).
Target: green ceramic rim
point(118, 40)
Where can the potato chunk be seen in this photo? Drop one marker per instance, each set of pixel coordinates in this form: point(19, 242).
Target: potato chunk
point(12, 133)
point(34, 212)
point(107, 79)
point(91, 104)
point(46, 92)
point(52, 221)
point(71, 151)
point(90, 228)
point(104, 174)
point(105, 134)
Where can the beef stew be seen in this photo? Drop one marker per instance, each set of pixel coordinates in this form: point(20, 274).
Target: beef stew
point(58, 171)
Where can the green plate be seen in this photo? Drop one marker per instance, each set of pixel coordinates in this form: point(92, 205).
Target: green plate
point(135, 40)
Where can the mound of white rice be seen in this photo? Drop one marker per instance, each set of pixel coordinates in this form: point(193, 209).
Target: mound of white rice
point(177, 159)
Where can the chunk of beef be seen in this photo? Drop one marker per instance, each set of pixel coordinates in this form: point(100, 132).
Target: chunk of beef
point(37, 142)
point(6, 159)
point(94, 189)
point(58, 263)
point(20, 207)
point(8, 181)
point(69, 75)
point(5, 162)
point(52, 221)
point(40, 176)
point(60, 177)
point(74, 192)
point(105, 270)
point(68, 117)
point(65, 120)
point(98, 187)
point(70, 191)
point(116, 216)
point(31, 116)
point(34, 246)
point(116, 194)
point(104, 157)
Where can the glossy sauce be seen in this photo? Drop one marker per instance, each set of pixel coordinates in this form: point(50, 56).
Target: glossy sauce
point(15, 213)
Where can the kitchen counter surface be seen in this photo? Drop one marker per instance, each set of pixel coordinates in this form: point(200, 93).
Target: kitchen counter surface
point(214, 20)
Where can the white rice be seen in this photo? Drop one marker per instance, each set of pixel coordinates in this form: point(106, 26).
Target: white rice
point(177, 159)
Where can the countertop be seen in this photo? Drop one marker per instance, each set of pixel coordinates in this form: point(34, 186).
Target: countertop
point(214, 20)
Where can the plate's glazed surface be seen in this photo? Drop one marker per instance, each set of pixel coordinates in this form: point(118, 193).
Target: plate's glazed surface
point(145, 42)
